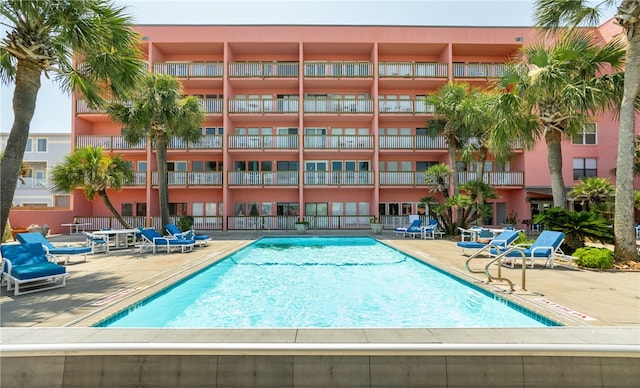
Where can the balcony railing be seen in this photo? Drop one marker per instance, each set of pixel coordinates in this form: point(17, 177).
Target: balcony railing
point(338, 178)
point(337, 105)
point(109, 142)
point(190, 178)
point(263, 178)
point(412, 142)
point(101, 222)
point(211, 105)
point(263, 69)
point(494, 178)
point(336, 142)
point(412, 70)
point(263, 105)
point(412, 106)
point(204, 143)
point(263, 141)
point(338, 69)
point(478, 70)
point(190, 69)
point(402, 178)
point(139, 179)
point(82, 107)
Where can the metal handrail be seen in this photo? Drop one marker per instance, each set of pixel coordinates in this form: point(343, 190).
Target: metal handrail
point(498, 260)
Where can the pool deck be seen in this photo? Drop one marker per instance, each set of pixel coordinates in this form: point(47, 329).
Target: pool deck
point(596, 307)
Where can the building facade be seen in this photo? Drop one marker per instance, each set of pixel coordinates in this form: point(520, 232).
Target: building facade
point(42, 152)
point(325, 123)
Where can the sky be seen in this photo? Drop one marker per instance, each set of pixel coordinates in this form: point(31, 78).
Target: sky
point(53, 107)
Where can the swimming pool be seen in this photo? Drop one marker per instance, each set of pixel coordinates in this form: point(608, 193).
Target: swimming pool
point(330, 282)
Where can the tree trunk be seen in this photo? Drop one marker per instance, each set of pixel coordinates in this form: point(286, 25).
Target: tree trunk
point(24, 105)
point(554, 159)
point(163, 181)
point(107, 202)
point(624, 234)
point(454, 169)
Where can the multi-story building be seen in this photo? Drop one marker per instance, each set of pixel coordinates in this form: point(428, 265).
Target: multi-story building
point(42, 152)
point(322, 122)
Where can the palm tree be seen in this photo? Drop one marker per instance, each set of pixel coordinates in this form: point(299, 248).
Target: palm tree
point(558, 88)
point(42, 37)
point(93, 171)
point(596, 193)
point(551, 14)
point(158, 110)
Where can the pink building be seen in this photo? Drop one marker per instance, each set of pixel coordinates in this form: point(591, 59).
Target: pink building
point(322, 122)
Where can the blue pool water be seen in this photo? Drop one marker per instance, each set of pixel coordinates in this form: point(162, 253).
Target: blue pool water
point(353, 282)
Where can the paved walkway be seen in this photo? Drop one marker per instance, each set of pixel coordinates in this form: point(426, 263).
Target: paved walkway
point(106, 283)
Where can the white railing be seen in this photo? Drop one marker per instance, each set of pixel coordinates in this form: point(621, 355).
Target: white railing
point(418, 105)
point(494, 178)
point(139, 179)
point(109, 142)
point(412, 70)
point(264, 69)
point(190, 69)
point(211, 105)
point(402, 178)
point(478, 70)
point(261, 222)
point(338, 69)
point(263, 141)
point(263, 105)
point(263, 178)
point(100, 222)
point(352, 142)
point(339, 178)
point(205, 142)
point(190, 178)
point(337, 105)
point(412, 142)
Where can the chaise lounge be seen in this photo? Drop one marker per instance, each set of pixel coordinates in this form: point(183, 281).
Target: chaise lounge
point(546, 246)
point(200, 239)
point(28, 266)
point(50, 249)
point(152, 239)
point(502, 240)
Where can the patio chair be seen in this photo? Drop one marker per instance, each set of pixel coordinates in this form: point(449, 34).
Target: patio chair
point(469, 234)
point(26, 268)
point(544, 247)
point(413, 228)
point(96, 243)
point(430, 230)
point(50, 249)
point(502, 240)
point(200, 239)
point(152, 239)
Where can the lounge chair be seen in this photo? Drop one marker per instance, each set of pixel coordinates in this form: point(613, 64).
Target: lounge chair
point(50, 249)
point(544, 247)
point(200, 239)
point(96, 243)
point(152, 239)
point(430, 231)
point(502, 240)
point(27, 265)
point(414, 228)
point(469, 234)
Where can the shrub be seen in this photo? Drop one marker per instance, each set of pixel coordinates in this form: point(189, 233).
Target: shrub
point(578, 227)
point(522, 239)
point(592, 257)
point(185, 223)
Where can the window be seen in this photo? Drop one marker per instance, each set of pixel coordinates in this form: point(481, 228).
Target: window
point(198, 165)
point(587, 135)
point(29, 146)
point(288, 208)
point(584, 168)
point(177, 209)
point(41, 145)
point(126, 209)
point(424, 166)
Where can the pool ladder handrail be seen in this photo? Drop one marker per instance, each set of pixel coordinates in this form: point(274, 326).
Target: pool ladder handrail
point(498, 260)
point(262, 226)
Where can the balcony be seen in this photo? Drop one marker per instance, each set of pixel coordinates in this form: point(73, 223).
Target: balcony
point(494, 178)
point(408, 106)
point(338, 142)
point(190, 178)
point(338, 69)
point(338, 105)
point(258, 142)
point(411, 142)
point(263, 178)
point(402, 178)
point(478, 70)
point(190, 69)
point(139, 179)
point(211, 105)
point(263, 105)
point(338, 178)
point(109, 143)
point(263, 70)
point(206, 142)
point(412, 70)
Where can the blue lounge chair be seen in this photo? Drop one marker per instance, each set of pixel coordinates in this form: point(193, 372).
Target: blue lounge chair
point(96, 243)
point(200, 239)
point(430, 231)
point(544, 247)
point(28, 265)
point(50, 249)
point(413, 228)
point(502, 240)
point(152, 239)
